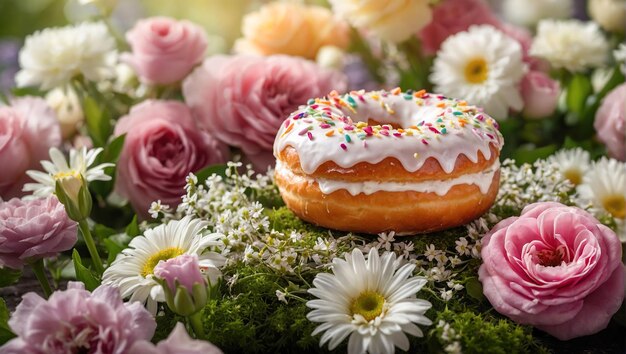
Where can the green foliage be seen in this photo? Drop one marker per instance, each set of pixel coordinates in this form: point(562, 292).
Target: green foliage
point(83, 274)
point(98, 121)
point(208, 171)
point(5, 332)
point(9, 276)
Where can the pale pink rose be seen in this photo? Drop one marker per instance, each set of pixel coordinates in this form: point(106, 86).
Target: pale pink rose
point(525, 39)
point(33, 229)
point(165, 50)
point(184, 269)
point(555, 267)
point(453, 16)
point(28, 129)
point(242, 100)
point(540, 94)
point(610, 122)
point(163, 145)
point(178, 342)
point(77, 321)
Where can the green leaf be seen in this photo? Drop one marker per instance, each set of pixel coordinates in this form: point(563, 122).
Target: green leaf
point(98, 122)
point(578, 91)
point(113, 249)
point(474, 288)
point(207, 172)
point(89, 278)
point(5, 331)
point(132, 229)
point(103, 232)
point(9, 276)
point(530, 155)
point(113, 149)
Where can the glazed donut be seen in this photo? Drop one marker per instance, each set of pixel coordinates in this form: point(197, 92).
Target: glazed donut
point(371, 162)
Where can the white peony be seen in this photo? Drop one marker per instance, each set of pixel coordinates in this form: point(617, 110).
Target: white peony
point(610, 14)
point(530, 12)
point(570, 44)
point(52, 57)
point(391, 20)
point(483, 66)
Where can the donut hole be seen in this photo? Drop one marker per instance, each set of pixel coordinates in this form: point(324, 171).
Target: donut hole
point(371, 121)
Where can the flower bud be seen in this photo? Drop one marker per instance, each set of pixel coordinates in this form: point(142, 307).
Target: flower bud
point(73, 192)
point(609, 14)
point(184, 284)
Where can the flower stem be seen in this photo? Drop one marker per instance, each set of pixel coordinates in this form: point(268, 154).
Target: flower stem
point(91, 246)
point(40, 273)
point(195, 321)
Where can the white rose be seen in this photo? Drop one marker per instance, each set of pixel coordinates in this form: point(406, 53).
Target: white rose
point(391, 20)
point(610, 14)
point(66, 105)
point(331, 57)
point(530, 12)
point(106, 6)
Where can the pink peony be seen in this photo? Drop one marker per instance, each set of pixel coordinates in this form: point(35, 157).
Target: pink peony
point(165, 50)
point(610, 122)
point(540, 94)
point(35, 229)
point(242, 100)
point(184, 269)
point(453, 16)
point(555, 267)
point(163, 145)
point(178, 342)
point(28, 129)
point(77, 321)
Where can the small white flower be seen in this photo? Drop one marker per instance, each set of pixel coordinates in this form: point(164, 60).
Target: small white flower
point(52, 57)
point(453, 348)
point(58, 168)
point(446, 295)
point(371, 301)
point(530, 12)
point(132, 270)
point(605, 186)
point(454, 261)
point(620, 56)
point(441, 259)
point(431, 252)
point(281, 296)
point(570, 44)
point(386, 239)
point(462, 246)
point(572, 163)
point(483, 66)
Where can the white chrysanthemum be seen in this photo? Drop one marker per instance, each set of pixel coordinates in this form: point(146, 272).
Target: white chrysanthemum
point(132, 270)
point(572, 163)
point(620, 56)
point(570, 44)
point(530, 12)
point(58, 168)
point(605, 186)
point(52, 57)
point(482, 66)
point(371, 301)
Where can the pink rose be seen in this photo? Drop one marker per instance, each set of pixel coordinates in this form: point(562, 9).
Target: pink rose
point(610, 122)
point(178, 342)
point(540, 94)
point(525, 39)
point(453, 16)
point(184, 269)
point(165, 50)
point(242, 100)
point(77, 321)
point(163, 144)
point(28, 129)
point(34, 229)
point(555, 267)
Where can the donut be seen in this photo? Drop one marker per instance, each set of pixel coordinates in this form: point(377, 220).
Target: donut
point(380, 161)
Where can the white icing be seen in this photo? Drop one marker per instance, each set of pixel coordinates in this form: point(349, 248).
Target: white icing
point(481, 179)
point(468, 137)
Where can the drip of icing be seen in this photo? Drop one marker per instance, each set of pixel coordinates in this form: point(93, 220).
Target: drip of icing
point(481, 179)
point(335, 129)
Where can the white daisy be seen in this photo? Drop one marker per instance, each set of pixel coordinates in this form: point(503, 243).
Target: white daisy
point(605, 186)
point(570, 44)
point(58, 168)
point(572, 163)
point(483, 66)
point(132, 270)
point(371, 301)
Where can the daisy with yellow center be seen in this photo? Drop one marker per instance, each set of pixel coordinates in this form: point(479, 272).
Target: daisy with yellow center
point(133, 269)
point(483, 66)
point(572, 163)
point(372, 301)
point(58, 169)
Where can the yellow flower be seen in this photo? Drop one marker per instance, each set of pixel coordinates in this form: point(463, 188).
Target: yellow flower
point(292, 29)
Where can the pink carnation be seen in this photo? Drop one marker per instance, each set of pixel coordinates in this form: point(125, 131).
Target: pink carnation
point(555, 267)
point(184, 269)
point(28, 129)
point(242, 100)
point(453, 16)
point(178, 342)
point(35, 229)
point(165, 50)
point(163, 145)
point(610, 122)
point(77, 321)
